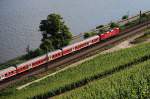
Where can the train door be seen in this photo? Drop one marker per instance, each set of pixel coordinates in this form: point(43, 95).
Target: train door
point(30, 66)
point(2, 77)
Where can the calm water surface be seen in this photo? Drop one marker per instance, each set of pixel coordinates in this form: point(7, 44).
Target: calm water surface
point(19, 19)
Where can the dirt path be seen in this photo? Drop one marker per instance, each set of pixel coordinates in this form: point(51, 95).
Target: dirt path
point(123, 45)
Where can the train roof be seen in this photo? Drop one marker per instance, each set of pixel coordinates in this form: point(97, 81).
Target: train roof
point(88, 39)
point(31, 60)
point(54, 52)
point(110, 30)
point(7, 69)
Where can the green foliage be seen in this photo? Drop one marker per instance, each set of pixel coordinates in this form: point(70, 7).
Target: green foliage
point(128, 84)
point(125, 17)
point(113, 25)
point(144, 15)
point(76, 76)
point(122, 27)
point(102, 30)
point(131, 24)
point(100, 26)
point(47, 45)
point(89, 34)
point(143, 18)
point(34, 53)
point(55, 33)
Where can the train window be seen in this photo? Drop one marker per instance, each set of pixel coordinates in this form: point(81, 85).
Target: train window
point(18, 69)
point(44, 59)
point(5, 74)
point(53, 56)
point(68, 50)
point(33, 63)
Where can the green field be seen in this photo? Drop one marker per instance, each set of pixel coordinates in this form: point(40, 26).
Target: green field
point(81, 74)
point(133, 83)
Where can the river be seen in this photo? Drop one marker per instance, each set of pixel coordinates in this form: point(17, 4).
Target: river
point(19, 19)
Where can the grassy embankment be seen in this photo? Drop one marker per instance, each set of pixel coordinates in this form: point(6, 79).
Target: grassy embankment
point(133, 83)
point(143, 38)
point(81, 75)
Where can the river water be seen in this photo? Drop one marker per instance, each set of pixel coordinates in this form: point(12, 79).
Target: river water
point(19, 19)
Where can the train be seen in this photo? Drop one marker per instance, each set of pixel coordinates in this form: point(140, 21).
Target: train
point(35, 62)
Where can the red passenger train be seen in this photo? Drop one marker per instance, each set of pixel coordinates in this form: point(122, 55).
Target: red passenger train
point(13, 70)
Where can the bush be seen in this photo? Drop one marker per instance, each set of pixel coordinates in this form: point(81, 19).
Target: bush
point(102, 30)
point(35, 53)
point(125, 17)
point(100, 26)
point(89, 34)
point(113, 25)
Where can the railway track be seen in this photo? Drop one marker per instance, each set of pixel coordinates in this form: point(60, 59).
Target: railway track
point(76, 56)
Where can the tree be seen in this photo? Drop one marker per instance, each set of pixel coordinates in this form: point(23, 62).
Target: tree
point(55, 33)
point(87, 34)
point(112, 25)
point(100, 26)
point(125, 17)
point(34, 53)
point(46, 45)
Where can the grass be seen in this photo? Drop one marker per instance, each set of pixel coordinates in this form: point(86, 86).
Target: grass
point(143, 38)
point(133, 83)
point(75, 76)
